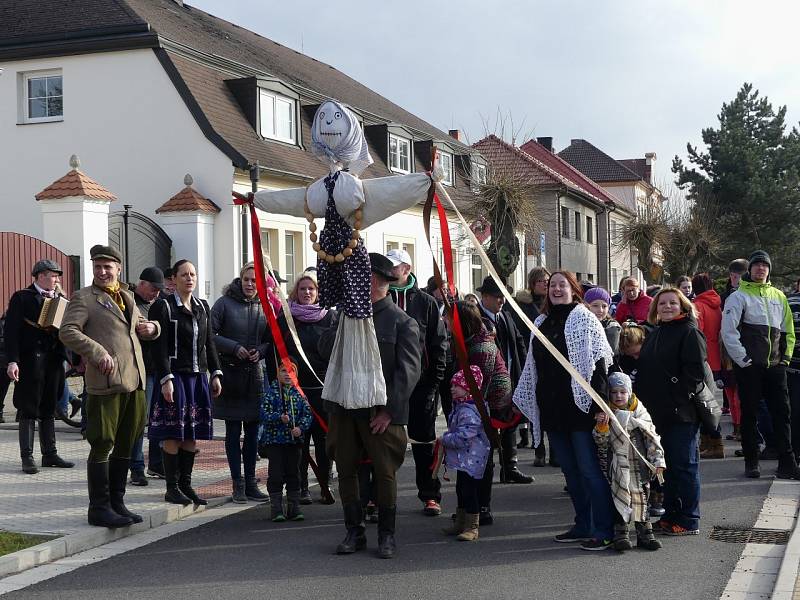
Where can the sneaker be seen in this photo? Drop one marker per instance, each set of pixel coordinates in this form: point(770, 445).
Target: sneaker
point(571, 537)
point(432, 508)
point(595, 545)
point(677, 530)
point(661, 526)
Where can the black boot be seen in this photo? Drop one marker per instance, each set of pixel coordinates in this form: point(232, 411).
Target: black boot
point(252, 492)
point(622, 541)
point(524, 438)
point(485, 516)
point(787, 467)
point(100, 512)
point(276, 508)
point(540, 456)
point(47, 442)
point(293, 512)
point(27, 429)
point(751, 468)
point(511, 474)
point(174, 494)
point(355, 539)
point(386, 543)
point(645, 538)
point(117, 478)
point(186, 466)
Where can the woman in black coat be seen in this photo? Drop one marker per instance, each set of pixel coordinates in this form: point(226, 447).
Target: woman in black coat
point(243, 341)
point(311, 320)
point(670, 371)
point(184, 355)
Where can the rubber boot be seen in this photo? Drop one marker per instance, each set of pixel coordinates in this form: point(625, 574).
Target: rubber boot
point(293, 512)
point(117, 478)
point(458, 523)
point(174, 494)
point(622, 540)
point(27, 429)
point(252, 492)
point(471, 526)
point(355, 539)
point(540, 456)
point(645, 538)
point(47, 442)
point(185, 468)
point(787, 467)
point(276, 508)
point(714, 448)
point(386, 542)
point(100, 512)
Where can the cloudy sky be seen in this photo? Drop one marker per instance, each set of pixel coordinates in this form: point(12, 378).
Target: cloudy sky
point(629, 76)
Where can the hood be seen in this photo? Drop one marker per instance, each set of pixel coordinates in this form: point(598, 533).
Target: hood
point(234, 290)
point(709, 298)
point(752, 287)
point(524, 297)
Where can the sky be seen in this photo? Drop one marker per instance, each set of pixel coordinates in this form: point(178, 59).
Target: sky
point(628, 76)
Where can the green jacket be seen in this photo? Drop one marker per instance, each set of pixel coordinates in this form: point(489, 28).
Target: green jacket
point(757, 325)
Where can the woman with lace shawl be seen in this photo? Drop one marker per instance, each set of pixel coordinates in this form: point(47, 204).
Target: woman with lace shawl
point(549, 396)
point(496, 389)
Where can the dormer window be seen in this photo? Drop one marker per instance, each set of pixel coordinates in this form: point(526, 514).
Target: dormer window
point(478, 173)
point(277, 118)
point(399, 154)
point(446, 162)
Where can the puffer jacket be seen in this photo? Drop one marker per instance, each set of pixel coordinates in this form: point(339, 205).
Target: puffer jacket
point(709, 321)
point(466, 445)
point(237, 321)
point(757, 325)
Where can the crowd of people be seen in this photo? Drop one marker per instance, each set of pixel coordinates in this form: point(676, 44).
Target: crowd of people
point(156, 358)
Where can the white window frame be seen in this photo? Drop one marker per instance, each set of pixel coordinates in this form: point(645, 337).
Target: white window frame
point(400, 140)
point(275, 98)
point(479, 176)
point(23, 96)
point(445, 158)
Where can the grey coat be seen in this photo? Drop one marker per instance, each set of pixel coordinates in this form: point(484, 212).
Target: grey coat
point(238, 322)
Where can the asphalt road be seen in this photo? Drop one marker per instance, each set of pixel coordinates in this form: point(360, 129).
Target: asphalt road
point(247, 556)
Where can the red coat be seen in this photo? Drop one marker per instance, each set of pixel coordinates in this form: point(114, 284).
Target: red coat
point(709, 321)
point(636, 309)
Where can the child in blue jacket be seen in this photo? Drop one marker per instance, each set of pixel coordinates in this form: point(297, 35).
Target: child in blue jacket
point(285, 418)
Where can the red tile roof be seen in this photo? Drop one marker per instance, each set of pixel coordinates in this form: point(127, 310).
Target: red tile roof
point(566, 171)
point(75, 183)
point(188, 200)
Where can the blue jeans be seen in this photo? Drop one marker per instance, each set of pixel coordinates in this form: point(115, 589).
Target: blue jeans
point(236, 452)
point(137, 454)
point(682, 477)
point(588, 487)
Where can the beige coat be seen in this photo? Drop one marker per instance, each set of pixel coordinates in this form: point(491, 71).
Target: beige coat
point(94, 325)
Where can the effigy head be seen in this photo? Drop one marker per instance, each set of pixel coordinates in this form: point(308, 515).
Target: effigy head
point(338, 140)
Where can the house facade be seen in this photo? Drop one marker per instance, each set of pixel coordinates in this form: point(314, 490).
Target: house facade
point(150, 91)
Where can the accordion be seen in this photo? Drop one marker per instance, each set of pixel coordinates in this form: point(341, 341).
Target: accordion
point(52, 312)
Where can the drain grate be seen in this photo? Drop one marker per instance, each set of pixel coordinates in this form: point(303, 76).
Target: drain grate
point(753, 535)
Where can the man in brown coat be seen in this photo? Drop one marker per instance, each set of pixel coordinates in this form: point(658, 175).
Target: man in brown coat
point(103, 325)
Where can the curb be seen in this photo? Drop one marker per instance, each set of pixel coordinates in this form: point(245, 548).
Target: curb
point(68, 545)
point(790, 564)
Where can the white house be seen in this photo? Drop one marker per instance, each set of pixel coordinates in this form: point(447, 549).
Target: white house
point(147, 92)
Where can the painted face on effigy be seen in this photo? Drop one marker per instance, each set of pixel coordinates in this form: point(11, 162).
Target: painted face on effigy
point(332, 126)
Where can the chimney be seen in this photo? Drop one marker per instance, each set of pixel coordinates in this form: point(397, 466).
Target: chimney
point(547, 142)
point(650, 163)
point(455, 134)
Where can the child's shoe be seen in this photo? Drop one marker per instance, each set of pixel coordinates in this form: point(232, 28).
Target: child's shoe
point(471, 525)
point(458, 523)
point(645, 538)
point(276, 508)
point(622, 541)
point(293, 509)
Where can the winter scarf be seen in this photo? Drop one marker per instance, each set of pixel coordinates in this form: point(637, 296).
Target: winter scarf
point(586, 344)
point(307, 313)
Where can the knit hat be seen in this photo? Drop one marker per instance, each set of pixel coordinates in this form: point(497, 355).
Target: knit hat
point(620, 380)
point(759, 256)
point(459, 380)
point(597, 293)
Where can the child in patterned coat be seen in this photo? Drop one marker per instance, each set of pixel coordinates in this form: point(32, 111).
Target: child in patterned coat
point(628, 475)
point(467, 451)
point(285, 418)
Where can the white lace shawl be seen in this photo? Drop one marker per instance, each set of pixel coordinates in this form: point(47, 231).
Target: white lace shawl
point(586, 344)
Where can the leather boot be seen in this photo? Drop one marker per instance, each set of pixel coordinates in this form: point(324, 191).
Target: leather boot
point(293, 512)
point(47, 442)
point(511, 474)
point(185, 467)
point(751, 468)
point(622, 540)
point(117, 478)
point(714, 448)
point(252, 492)
point(174, 494)
point(471, 526)
point(100, 512)
point(524, 438)
point(540, 458)
point(238, 496)
point(787, 467)
point(276, 508)
point(27, 429)
point(386, 543)
point(645, 538)
point(704, 439)
point(458, 523)
point(355, 539)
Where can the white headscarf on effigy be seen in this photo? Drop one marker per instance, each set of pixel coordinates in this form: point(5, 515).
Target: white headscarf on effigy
point(338, 140)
